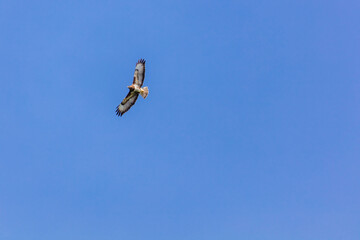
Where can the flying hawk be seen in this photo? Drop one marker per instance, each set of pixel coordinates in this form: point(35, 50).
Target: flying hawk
point(134, 90)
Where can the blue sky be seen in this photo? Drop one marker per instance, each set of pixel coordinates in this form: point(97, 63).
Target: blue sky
point(250, 131)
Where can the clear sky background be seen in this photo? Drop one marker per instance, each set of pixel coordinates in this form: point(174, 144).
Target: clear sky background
point(250, 131)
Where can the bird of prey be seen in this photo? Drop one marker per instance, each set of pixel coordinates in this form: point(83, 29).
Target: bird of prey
point(134, 90)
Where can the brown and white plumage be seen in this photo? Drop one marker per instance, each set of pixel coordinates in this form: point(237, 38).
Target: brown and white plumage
point(134, 90)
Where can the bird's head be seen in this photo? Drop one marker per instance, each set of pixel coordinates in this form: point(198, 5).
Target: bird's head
point(131, 87)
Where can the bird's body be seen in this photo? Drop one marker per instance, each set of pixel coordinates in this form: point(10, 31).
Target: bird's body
point(137, 89)
point(134, 90)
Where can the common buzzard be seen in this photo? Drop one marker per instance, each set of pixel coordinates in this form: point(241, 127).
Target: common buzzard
point(134, 90)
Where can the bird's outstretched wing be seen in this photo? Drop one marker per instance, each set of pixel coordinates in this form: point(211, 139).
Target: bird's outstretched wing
point(139, 74)
point(127, 103)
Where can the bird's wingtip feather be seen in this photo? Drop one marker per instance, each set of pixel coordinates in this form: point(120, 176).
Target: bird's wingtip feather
point(141, 60)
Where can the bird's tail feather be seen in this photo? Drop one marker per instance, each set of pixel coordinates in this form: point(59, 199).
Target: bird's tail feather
point(144, 92)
